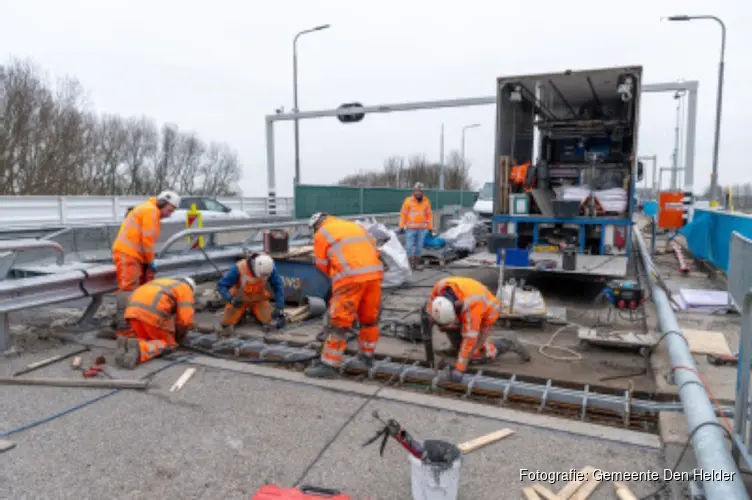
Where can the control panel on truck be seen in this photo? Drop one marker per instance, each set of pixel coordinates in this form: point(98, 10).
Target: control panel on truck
point(567, 169)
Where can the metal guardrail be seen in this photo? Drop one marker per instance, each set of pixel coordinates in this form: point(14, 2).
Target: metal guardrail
point(94, 280)
point(707, 437)
point(35, 211)
point(740, 293)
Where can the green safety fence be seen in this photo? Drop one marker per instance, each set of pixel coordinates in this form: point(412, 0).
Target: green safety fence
point(345, 200)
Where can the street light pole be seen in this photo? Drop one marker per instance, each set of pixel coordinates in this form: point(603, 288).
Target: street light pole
point(719, 99)
point(462, 147)
point(295, 94)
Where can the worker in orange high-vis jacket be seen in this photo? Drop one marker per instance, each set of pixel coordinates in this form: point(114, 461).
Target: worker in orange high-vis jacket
point(466, 310)
point(160, 313)
point(416, 221)
point(133, 250)
point(344, 251)
point(249, 285)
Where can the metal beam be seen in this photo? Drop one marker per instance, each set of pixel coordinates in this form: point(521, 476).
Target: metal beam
point(690, 87)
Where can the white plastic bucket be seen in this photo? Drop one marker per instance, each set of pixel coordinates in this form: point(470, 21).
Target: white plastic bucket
point(432, 483)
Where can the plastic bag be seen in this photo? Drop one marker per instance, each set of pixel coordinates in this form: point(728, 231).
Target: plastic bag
point(396, 267)
point(527, 301)
point(431, 242)
point(461, 236)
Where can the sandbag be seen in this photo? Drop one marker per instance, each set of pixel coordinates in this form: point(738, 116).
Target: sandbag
point(527, 301)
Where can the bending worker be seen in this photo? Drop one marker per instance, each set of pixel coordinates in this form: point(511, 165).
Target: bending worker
point(416, 218)
point(245, 286)
point(160, 314)
point(133, 250)
point(466, 310)
point(346, 253)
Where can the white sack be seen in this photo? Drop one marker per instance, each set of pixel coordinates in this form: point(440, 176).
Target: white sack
point(396, 267)
point(461, 236)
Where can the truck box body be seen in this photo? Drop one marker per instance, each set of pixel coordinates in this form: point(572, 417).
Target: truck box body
point(577, 130)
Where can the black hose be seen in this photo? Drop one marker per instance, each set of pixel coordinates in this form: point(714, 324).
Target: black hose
point(214, 354)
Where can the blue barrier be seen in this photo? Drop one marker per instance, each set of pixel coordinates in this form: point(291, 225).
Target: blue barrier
point(709, 234)
point(303, 279)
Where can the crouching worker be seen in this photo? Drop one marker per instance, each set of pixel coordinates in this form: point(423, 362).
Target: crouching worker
point(246, 287)
point(346, 253)
point(466, 310)
point(160, 314)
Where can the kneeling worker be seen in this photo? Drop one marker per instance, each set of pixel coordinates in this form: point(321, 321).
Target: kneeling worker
point(160, 313)
point(244, 287)
point(464, 307)
point(346, 253)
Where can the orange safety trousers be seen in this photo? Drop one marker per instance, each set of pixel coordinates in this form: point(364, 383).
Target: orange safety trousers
point(350, 301)
point(129, 272)
point(260, 306)
point(152, 341)
point(469, 349)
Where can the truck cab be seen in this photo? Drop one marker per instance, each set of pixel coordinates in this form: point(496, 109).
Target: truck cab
point(566, 168)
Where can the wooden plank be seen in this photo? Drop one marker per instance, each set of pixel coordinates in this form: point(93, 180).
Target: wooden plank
point(180, 382)
point(586, 489)
point(545, 492)
point(530, 494)
point(6, 445)
point(623, 492)
point(480, 442)
point(707, 342)
point(571, 487)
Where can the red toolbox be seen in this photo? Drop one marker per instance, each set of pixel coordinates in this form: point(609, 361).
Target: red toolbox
point(274, 492)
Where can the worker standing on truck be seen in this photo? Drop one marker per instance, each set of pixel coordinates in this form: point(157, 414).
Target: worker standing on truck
point(466, 310)
point(245, 286)
point(160, 313)
point(133, 250)
point(416, 220)
point(344, 251)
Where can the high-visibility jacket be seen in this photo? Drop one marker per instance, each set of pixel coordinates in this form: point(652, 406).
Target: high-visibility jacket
point(139, 232)
point(518, 173)
point(416, 214)
point(345, 252)
point(480, 308)
point(158, 301)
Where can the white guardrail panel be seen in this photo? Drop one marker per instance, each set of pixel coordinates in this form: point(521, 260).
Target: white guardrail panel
point(30, 211)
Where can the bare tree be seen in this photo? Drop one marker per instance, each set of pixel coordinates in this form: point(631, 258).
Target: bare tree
point(50, 143)
point(400, 172)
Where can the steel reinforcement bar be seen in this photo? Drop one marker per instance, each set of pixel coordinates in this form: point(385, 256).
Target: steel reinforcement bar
point(707, 435)
point(506, 389)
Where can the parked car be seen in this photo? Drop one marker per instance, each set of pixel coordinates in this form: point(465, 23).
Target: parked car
point(210, 208)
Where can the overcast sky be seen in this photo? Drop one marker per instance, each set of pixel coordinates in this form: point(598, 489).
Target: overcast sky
point(217, 67)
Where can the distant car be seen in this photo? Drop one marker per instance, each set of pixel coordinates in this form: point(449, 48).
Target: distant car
point(210, 208)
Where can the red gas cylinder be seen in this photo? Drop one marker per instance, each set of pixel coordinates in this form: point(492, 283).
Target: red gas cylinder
point(274, 492)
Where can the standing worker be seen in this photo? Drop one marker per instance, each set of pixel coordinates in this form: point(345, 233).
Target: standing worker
point(346, 253)
point(416, 219)
point(246, 286)
point(466, 310)
point(160, 314)
point(133, 250)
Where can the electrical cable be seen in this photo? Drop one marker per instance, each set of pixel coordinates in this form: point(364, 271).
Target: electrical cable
point(90, 401)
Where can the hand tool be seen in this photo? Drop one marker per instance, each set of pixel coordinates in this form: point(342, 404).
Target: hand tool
point(394, 429)
point(94, 370)
point(49, 361)
point(723, 360)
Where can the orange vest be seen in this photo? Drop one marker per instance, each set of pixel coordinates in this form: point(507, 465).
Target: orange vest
point(346, 253)
point(156, 302)
point(416, 214)
point(252, 286)
point(139, 232)
point(478, 303)
point(519, 173)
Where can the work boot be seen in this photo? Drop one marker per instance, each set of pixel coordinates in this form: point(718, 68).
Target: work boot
point(512, 345)
point(362, 362)
point(128, 353)
point(321, 370)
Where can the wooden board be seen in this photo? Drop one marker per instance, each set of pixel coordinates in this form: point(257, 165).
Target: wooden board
point(707, 342)
point(480, 442)
point(623, 492)
point(530, 494)
point(544, 492)
point(6, 445)
point(616, 339)
point(571, 487)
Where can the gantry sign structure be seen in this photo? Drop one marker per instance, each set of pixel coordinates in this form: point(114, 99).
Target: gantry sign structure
point(355, 112)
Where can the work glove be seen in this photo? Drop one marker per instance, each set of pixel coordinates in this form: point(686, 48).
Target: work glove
point(452, 375)
point(278, 318)
point(401, 230)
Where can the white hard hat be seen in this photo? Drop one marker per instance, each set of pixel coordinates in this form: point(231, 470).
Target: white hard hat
point(442, 311)
point(315, 218)
point(191, 283)
point(418, 185)
point(263, 265)
point(170, 197)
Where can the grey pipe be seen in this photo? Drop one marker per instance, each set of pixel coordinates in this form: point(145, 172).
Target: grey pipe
point(708, 441)
point(31, 244)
